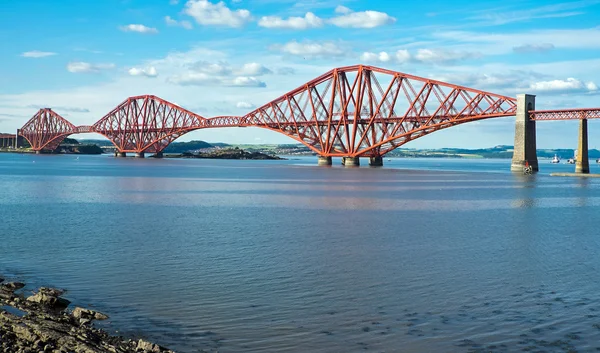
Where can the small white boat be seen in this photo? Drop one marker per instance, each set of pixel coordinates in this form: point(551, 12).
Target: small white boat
point(555, 159)
point(571, 161)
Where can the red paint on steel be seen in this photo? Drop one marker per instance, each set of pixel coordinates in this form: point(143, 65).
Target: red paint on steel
point(350, 111)
point(566, 114)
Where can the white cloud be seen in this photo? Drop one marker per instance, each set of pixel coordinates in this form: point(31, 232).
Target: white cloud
point(221, 74)
point(402, 56)
point(533, 48)
point(37, 54)
point(193, 79)
point(309, 20)
point(139, 29)
point(423, 56)
point(442, 56)
point(215, 69)
point(148, 71)
point(254, 69)
point(364, 19)
point(83, 67)
point(173, 2)
point(246, 81)
point(206, 13)
point(171, 22)
point(562, 86)
point(342, 9)
point(311, 49)
point(374, 57)
point(245, 105)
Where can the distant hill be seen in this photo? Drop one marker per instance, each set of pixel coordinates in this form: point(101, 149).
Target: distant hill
point(180, 147)
point(500, 151)
point(100, 143)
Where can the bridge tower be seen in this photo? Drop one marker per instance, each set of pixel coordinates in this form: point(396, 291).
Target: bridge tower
point(525, 145)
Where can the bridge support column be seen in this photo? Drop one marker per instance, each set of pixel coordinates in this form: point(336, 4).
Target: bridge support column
point(158, 155)
point(120, 154)
point(139, 155)
point(525, 145)
point(582, 165)
point(376, 161)
point(323, 160)
point(18, 139)
point(351, 161)
point(38, 152)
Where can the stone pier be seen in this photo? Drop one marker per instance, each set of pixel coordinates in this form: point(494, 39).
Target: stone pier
point(140, 155)
point(582, 164)
point(351, 161)
point(525, 145)
point(376, 161)
point(120, 154)
point(158, 155)
point(324, 160)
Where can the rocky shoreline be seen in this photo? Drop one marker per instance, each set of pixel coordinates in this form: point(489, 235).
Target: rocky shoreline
point(44, 323)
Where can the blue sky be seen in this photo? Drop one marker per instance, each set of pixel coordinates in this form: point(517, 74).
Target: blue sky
point(83, 58)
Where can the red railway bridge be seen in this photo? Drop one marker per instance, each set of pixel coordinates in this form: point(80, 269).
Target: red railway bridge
point(349, 112)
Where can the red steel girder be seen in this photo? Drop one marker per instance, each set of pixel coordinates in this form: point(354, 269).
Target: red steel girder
point(566, 114)
point(147, 124)
point(46, 130)
point(349, 111)
point(368, 111)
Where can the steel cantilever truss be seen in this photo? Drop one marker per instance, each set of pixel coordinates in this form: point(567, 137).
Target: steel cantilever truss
point(46, 130)
point(147, 124)
point(349, 111)
point(367, 111)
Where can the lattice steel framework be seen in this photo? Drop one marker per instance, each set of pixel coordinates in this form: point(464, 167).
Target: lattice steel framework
point(46, 130)
point(367, 111)
point(350, 111)
point(566, 114)
point(147, 124)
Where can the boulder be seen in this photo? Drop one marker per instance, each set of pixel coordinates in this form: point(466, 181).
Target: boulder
point(49, 297)
point(145, 346)
point(12, 286)
point(87, 314)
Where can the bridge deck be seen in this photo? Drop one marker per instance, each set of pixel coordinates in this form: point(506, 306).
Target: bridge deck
point(566, 114)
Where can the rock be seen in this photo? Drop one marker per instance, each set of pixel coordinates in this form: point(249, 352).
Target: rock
point(49, 297)
point(87, 314)
point(1, 279)
point(54, 331)
point(147, 346)
point(12, 286)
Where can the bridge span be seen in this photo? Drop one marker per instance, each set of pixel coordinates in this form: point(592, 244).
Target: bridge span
point(349, 112)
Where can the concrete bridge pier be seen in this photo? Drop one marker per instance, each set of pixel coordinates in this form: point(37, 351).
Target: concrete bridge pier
point(38, 152)
point(324, 160)
point(139, 155)
point(120, 154)
point(351, 161)
point(582, 165)
point(525, 144)
point(376, 161)
point(158, 155)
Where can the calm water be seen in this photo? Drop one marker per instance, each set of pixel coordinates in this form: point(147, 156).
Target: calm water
point(270, 256)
